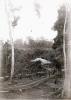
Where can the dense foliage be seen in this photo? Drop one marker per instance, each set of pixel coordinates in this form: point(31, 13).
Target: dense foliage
point(27, 51)
point(23, 57)
point(58, 41)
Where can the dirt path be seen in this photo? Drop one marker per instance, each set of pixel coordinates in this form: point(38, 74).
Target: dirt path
point(29, 94)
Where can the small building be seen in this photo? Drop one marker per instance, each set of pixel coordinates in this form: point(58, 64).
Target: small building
point(43, 61)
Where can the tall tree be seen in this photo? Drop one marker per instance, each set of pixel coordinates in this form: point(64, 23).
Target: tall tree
point(11, 24)
point(67, 44)
point(63, 27)
point(58, 41)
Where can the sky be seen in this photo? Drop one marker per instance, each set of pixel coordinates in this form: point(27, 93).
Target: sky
point(35, 18)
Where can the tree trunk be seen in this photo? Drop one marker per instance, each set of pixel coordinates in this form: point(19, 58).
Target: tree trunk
point(11, 38)
point(12, 61)
point(1, 55)
point(67, 55)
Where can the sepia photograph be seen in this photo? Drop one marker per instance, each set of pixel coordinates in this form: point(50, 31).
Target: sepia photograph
point(35, 50)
